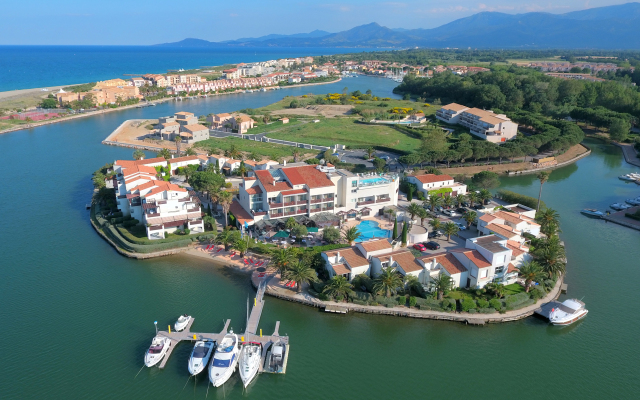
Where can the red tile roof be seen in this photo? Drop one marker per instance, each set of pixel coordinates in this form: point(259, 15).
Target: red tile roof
point(405, 260)
point(351, 255)
point(341, 269)
point(297, 191)
point(139, 169)
point(474, 256)
point(254, 190)
point(512, 268)
point(375, 245)
point(431, 178)
point(269, 184)
point(181, 159)
point(132, 163)
point(307, 175)
point(240, 213)
point(448, 262)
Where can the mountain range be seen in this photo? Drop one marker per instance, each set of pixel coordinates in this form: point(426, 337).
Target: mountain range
point(610, 27)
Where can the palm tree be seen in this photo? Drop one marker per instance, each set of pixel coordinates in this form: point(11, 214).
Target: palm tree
point(434, 201)
point(350, 235)
point(241, 246)
point(227, 238)
point(485, 195)
point(551, 256)
point(448, 201)
point(530, 271)
point(178, 140)
point(412, 284)
point(450, 229)
point(296, 154)
point(190, 152)
point(165, 153)
point(435, 224)
point(387, 282)
point(441, 284)
point(422, 214)
point(497, 289)
point(300, 273)
point(542, 177)
point(370, 152)
point(472, 197)
point(225, 199)
point(281, 259)
point(338, 286)
point(549, 219)
point(413, 210)
point(461, 198)
point(470, 217)
point(232, 152)
point(138, 154)
point(242, 169)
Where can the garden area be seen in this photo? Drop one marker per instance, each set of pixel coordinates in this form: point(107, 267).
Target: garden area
point(271, 151)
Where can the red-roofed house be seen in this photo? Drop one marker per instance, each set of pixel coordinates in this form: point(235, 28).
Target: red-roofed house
point(442, 185)
point(507, 224)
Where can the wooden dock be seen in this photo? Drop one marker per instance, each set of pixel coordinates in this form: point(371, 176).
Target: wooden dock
point(249, 335)
point(545, 309)
point(335, 309)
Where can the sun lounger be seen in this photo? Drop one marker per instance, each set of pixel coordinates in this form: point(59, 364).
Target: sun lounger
point(233, 254)
point(219, 250)
point(246, 262)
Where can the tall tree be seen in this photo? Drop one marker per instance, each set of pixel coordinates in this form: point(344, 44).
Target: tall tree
point(280, 260)
point(413, 210)
point(301, 274)
point(138, 154)
point(387, 282)
point(404, 233)
point(225, 199)
point(350, 235)
point(441, 284)
point(338, 286)
point(470, 217)
point(395, 229)
point(542, 177)
point(530, 271)
point(178, 140)
point(450, 229)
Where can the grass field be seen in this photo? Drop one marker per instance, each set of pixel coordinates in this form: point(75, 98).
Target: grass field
point(347, 131)
point(268, 150)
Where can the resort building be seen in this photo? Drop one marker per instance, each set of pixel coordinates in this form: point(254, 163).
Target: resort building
point(219, 121)
point(242, 123)
point(507, 224)
point(194, 133)
point(441, 185)
point(159, 205)
point(487, 259)
point(495, 128)
point(281, 192)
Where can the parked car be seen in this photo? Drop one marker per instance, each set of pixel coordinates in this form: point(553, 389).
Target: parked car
point(432, 245)
point(434, 234)
point(419, 247)
point(450, 213)
point(461, 210)
point(478, 207)
point(465, 204)
point(461, 226)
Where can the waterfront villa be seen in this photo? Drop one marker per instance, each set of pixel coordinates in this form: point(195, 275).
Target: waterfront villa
point(281, 192)
point(441, 185)
point(507, 224)
point(495, 128)
point(183, 124)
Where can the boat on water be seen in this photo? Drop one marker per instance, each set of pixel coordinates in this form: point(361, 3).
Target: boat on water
point(249, 361)
point(276, 357)
point(200, 356)
point(157, 350)
point(628, 177)
point(619, 206)
point(182, 322)
point(592, 212)
point(633, 202)
point(568, 312)
point(225, 360)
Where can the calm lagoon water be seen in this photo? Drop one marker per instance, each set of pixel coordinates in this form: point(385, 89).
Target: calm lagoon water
point(77, 317)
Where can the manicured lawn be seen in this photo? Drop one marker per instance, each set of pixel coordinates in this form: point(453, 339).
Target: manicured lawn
point(269, 150)
point(347, 131)
point(514, 288)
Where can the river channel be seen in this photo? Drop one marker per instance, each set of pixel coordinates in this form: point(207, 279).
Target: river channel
point(77, 317)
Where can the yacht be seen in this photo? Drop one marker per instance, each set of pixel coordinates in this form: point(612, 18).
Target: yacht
point(627, 177)
point(157, 350)
point(182, 322)
point(225, 360)
point(568, 312)
point(200, 356)
point(592, 213)
point(275, 358)
point(633, 202)
point(249, 361)
point(619, 206)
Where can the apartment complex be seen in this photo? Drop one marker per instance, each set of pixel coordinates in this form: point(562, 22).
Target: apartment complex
point(183, 124)
point(281, 192)
point(159, 205)
point(495, 128)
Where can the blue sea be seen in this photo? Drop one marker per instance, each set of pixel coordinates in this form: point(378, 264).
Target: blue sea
point(26, 67)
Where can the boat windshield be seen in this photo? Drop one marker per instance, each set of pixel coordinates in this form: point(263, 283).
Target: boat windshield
point(221, 363)
point(200, 352)
point(155, 349)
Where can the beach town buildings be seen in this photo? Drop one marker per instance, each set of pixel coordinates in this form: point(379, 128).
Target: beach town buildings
point(104, 94)
point(509, 224)
point(183, 124)
point(159, 205)
point(495, 128)
point(441, 185)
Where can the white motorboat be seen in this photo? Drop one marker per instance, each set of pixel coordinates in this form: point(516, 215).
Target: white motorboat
point(627, 177)
point(157, 350)
point(200, 356)
point(249, 361)
point(276, 358)
point(225, 360)
point(568, 312)
point(182, 322)
point(619, 206)
point(592, 212)
point(633, 202)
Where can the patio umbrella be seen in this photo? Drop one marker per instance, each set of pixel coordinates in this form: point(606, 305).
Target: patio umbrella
point(281, 234)
point(312, 230)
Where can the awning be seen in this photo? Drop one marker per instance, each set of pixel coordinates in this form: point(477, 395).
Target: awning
point(281, 234)
point(312, 230)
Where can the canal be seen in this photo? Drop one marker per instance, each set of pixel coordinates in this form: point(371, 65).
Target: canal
point(77, 317)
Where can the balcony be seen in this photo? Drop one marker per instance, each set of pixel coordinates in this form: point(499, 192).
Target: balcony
point(303, 211)
point(316, 201)
point(327, 209)
point(276, 205)
point(153, 215)
point(383, 199)
point(276, 215)
point(328, 198)
point(363, 203)
point(315, 210)
point(301, 202)
point(290, 203)
point(257, 213)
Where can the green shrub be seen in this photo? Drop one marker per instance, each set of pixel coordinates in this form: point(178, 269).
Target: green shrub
point(389, 305)
point(472, 311)
point(323, 296)
point(402, 300)
point(313, 292)
point(515, 299)
point(537, 293)
point(359, 302)
point(467, 304)
point(364, 296)
point(374, 303)
point(446, 303)
point(318, 286)
point(412, 301)
point(495, 303)
point(513, 197)
point(486, 310)
point(482, 303)
point(339, 298)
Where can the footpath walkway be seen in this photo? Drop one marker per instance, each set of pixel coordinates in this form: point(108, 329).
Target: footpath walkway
point(630, 154)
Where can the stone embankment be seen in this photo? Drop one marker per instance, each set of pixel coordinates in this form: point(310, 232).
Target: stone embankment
point(558, 165)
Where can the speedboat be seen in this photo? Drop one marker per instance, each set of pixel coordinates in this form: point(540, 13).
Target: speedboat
point(225, 360)
point(633, 202)
point(619, 206)
point(157, 350)
point(568, 312)
point(200, 356)
point(182, 322)
point(592, 213)
point(249, 361)
point(627, 177)
point(275, 358)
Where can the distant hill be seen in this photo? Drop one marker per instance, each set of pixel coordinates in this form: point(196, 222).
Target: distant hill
point(610, 27)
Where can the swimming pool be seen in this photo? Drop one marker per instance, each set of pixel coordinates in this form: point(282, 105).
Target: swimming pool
point(373, 181)
point(371, 229)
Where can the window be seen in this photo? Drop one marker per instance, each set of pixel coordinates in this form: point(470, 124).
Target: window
point(354, 183)
point(483, 273)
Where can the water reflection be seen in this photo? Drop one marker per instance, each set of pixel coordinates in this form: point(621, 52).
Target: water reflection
point(563, 173)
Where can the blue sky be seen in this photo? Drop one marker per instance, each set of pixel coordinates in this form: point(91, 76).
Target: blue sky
point(142, 22)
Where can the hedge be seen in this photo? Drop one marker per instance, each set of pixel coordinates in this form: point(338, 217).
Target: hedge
point(513, 197)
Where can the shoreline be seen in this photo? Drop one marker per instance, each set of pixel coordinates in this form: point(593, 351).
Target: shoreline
point(92, 113)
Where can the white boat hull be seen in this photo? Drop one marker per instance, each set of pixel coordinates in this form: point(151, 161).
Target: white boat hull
point(249, 364)
point(152, 359)
point(571, 320)
point(218, 376)
point(197, 364)
point(182, 323)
